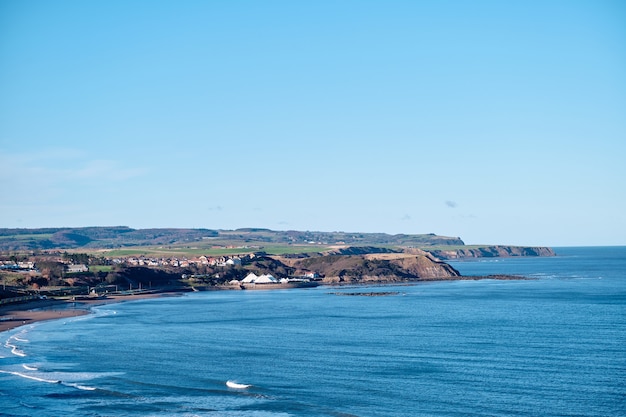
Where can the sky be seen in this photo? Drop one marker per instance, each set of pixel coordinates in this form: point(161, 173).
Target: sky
point(498, 122)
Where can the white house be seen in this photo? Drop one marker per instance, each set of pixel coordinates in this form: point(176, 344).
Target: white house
point(233, 261)
point(72, 269)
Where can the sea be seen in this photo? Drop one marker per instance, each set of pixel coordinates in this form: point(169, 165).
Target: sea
point(551, 345)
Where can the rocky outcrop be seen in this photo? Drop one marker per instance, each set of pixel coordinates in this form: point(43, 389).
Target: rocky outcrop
point(492, 251)
point(346, 269)
point(427, 267)
point(360, 250)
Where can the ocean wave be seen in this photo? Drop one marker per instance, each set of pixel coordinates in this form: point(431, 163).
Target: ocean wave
point(39, 378)
point(15, 350)
point(80, 387)
point(33, 377)
point(69, 379)
point(235, 385)
point(19, 339)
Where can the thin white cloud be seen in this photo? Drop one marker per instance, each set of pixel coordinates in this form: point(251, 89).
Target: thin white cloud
point(107, 170)
point(56, 166)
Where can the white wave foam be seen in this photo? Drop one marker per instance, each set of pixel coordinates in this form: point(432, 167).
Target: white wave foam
point(15, 350)
point(29, 368)
point(19, 339)
point(33, 377)
point(81, 387)
point(235, 385)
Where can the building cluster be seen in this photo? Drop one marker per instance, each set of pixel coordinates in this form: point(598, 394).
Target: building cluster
point(263, 279)
point(183, 262)
point(76, 269)
point(28, 266)
point(11, 265)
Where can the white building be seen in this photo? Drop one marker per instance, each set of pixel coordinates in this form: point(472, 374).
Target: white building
point(266, 279)
point(252, 278)
point(72, 269)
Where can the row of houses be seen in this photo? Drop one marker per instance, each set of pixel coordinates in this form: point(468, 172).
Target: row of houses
point(222, 261)
point(10, 265)
point(31, 266)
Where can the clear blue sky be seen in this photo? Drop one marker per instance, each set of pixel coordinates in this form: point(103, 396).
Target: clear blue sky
point(499, 122)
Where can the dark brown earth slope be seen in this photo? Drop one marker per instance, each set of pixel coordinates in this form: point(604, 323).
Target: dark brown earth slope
point(376, 268)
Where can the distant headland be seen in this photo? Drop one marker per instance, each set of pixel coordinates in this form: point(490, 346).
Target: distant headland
point(95, 261)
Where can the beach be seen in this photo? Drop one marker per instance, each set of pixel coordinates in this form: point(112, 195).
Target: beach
point(20, 314)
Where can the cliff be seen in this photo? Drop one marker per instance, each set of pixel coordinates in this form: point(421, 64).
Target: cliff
point(491, 252)
point(385, 267)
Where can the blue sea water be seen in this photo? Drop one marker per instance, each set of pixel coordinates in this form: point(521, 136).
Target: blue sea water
point(551, 346)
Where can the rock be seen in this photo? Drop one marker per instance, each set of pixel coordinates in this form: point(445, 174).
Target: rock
point(492, 251)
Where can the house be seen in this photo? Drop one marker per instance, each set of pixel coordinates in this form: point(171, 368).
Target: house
point(26, 265)
point(73, 269)
point(233, 261)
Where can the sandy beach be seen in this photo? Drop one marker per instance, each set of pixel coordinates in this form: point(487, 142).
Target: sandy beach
point(15, 315)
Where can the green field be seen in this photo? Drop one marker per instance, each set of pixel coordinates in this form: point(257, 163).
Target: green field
point(178, 251)
point(100, 268)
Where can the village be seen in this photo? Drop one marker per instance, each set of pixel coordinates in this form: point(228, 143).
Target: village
point(72, 267)
point(183, 262)
point(201, 271)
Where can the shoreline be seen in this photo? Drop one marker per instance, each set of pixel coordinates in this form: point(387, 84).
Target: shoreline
point(22, 314)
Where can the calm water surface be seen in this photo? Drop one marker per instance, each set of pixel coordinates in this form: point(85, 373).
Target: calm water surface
point(552, 346)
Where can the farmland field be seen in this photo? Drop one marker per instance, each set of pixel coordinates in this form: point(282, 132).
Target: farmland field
point(197, 250)
point(27, 237)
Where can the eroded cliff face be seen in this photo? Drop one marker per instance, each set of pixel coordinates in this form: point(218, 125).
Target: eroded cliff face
point(427, 267)
point(378, 268)
point(493, 251)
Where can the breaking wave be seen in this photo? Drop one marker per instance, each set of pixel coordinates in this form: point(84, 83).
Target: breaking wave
point(33, 377)
point(235, 385)
point(14, 349)
point(19, 339)
point(50, 381)
point(81, 387)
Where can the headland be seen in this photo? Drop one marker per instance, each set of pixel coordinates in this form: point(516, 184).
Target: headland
point(63, 272)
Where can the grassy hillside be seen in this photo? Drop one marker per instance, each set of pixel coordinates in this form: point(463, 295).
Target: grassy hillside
point(189, 240)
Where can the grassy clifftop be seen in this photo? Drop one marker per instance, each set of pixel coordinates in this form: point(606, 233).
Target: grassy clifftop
point(124, 237)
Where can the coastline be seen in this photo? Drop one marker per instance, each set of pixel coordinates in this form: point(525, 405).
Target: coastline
point(16, 315)
point(22, 314)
